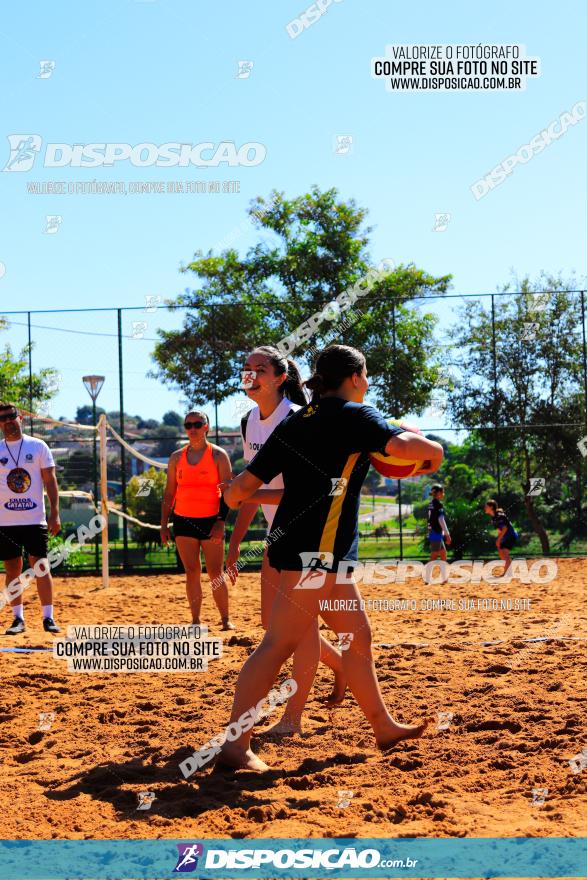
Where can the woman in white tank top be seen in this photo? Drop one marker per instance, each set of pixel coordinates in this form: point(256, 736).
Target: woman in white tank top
point(274, 383)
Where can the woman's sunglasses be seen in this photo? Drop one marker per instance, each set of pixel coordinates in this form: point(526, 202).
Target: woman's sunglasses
point(188, 425)
point(8, 417)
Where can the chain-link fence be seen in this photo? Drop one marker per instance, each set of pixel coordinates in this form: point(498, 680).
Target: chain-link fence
point(500, 379)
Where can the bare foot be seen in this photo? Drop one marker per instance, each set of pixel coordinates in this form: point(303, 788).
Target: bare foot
point(403, 731)
point(338, 691)
point(284, 727)
point(227, 624)
point(235, 757)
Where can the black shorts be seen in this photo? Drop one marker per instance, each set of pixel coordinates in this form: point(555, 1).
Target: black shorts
point(508, 542)
point(291, 562)
point(193, 527)
point(15, 539)
point(282, 558)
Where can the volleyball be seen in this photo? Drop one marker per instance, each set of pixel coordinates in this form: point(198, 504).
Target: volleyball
point(392, 466)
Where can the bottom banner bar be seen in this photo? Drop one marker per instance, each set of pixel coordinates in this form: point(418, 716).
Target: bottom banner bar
point(274, 858)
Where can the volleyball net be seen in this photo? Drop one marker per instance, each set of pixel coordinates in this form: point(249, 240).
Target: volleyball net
point(508, 456)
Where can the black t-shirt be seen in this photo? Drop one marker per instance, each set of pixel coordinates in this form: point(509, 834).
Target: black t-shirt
point(435, 511)
point(322, 451)
point(501, 521)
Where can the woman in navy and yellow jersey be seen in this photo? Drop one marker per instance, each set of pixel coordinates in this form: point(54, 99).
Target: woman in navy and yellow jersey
point(274, 383)
point(322, 451)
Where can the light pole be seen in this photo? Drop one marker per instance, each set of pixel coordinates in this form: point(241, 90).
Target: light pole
point(93, 385)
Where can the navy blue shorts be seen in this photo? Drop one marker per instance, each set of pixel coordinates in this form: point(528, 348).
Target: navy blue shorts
point(508, 542)
point(436, 541)
point(282, 558)
point(284, 562)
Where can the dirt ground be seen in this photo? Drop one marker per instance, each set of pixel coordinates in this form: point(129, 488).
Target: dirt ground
point(518, 718)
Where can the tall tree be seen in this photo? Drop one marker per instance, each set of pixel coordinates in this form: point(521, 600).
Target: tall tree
point(318, 250)
point(84, 415)
point(517, 394)
point(15, 384)
point(173, 419)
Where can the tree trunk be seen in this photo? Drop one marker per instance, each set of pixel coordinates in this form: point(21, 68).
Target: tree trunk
point(537, 526)
point(579, 499)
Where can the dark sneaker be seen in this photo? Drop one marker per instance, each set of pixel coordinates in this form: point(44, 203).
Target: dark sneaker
point(16, 628)
point(50, 626)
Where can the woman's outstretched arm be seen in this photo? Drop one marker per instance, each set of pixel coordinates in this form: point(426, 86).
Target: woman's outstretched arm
point(416, 446)
point(242, 488)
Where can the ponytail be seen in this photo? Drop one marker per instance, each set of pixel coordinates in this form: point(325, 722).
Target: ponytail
point(333, 365)
point(316, 385)
point(292, 387)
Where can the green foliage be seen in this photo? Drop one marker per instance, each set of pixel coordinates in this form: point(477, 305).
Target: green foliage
point(78, 469)
point(535, 383)
point(73, 559)
point(14, 378)
point(84, 415)
point(373, 482)
point(461, 480)
point(173, 419)
point(318, 250)
point(167, 437)
point(412, 491)
point(146, 507)
point(468, 525)
point(237, 461)
point(469, 529)
point(419, 511)
point(401, 353)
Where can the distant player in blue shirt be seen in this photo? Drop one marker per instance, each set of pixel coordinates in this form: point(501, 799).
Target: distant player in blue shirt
point(506, 534)
point(438, 533)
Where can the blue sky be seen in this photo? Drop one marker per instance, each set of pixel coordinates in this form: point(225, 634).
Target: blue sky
point(165, 71)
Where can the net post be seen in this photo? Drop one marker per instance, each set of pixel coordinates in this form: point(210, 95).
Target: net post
point(30, 353)
point(396, 415)
point(584, 354)
point(495, 399)
point(215, 361)
point(104, 498)
point(122, 450)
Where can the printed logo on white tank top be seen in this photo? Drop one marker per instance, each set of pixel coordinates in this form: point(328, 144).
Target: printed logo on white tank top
point(258, 431)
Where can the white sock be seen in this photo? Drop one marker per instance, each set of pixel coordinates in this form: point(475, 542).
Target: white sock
point(47, 611)
point(18, 611)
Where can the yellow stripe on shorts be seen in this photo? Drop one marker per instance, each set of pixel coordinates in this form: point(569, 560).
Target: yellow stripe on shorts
point(331, 524)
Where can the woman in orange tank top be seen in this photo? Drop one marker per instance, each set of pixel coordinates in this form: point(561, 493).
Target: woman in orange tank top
point(199, 511)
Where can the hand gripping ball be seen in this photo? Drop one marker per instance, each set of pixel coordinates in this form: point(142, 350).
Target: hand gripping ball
point(391, 466)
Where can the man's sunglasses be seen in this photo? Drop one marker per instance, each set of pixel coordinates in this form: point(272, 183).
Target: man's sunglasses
point(188, 425)
point(8, 417)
